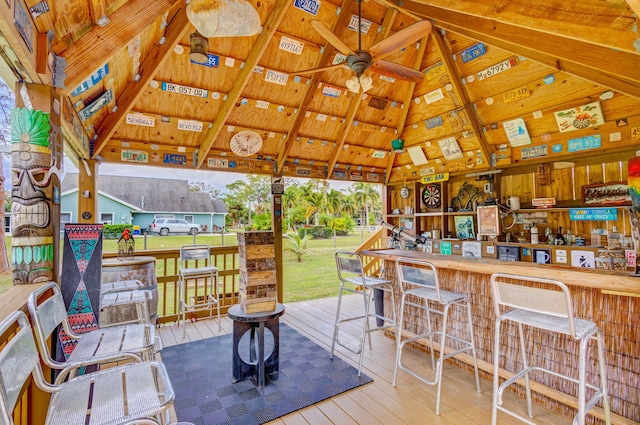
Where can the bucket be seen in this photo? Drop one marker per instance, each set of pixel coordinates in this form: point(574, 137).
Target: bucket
point(611, 259)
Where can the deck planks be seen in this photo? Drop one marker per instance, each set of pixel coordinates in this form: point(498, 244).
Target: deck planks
point(410, 402)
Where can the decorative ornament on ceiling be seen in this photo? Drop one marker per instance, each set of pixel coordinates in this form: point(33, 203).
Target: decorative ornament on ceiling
point(223, 18)
point(246, 143)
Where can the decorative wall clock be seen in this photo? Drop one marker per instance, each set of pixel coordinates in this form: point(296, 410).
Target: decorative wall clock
point(432, 196)
point(245, 143)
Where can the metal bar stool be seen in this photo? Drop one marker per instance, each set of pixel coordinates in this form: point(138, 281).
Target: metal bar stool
point(195, 265)
point(421, 289)
point(516, 300)
point(353, 279)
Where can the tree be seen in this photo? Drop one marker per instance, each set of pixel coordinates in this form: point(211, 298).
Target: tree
point(365, 194)
point(298, 245)
point(7, 102)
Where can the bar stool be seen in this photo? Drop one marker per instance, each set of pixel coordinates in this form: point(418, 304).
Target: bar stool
point(353, 279)
point(195, 264)
point(421, 289)
point(515, 300)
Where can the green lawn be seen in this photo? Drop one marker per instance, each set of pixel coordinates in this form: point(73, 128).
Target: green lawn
point(314, 277)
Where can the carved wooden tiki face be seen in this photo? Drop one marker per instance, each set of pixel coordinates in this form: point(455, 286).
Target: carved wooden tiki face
point(32, 195)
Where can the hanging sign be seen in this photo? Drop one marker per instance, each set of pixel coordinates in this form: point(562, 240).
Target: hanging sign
point(309, 6)
point(472, 52)
point(584, 143)
point(93, 79)
point(435, 178)
point(276, 77)
point(189, 91)
point(365, 25)
point(497, 68)
point(580, 117)
point(142, 120)
point(582, 214)
point(190, 125)
point(534, 152)
point(212, 61)
point(517, 133)
point(289, 44)
point(96, 105)
point(516, 94)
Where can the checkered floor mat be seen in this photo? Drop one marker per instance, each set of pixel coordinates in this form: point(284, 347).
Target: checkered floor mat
point(201, 375)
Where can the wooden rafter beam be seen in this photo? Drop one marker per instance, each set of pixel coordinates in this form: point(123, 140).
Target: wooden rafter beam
point(407, 101)
point(461, 94)
point(98, 11)
point(240, 82)
point(635, 6)
point(311, 89)
point(389, 17)
point(101, 44)
point(176, 29)
point(614, 69)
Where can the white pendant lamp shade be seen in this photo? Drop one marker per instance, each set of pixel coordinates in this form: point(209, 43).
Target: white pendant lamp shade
point(366, 82)
point(223, 18)
point(353, 85)
point(357, 85)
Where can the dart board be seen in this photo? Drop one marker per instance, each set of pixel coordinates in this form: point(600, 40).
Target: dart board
point(432, 196)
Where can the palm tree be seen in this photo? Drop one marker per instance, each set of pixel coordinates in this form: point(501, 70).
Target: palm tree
point(298, 245)
point(365, 194)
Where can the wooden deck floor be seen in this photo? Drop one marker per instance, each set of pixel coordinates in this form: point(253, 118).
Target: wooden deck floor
point(410, 402)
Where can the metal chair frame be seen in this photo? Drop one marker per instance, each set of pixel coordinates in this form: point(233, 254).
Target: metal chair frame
point(419, 279)
point(515, 300)
point(353, 279)
point(124, 342)
point(115, 395)
point(205, 277)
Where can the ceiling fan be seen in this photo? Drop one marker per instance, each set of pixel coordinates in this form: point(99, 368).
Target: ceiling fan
point(360, 60)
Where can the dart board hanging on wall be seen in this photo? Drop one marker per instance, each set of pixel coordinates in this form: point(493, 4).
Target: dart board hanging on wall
point(432, 196)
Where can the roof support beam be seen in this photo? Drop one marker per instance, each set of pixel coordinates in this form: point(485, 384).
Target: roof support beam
point(240, 82)
point(614, 69)
point(407, 101)
point(389, 17)
point(460, 93)
point(635, 6)
point(101, 44)
point(329, 51)
point(176, 29)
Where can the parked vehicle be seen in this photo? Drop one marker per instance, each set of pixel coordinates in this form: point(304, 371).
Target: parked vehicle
point(164, 226)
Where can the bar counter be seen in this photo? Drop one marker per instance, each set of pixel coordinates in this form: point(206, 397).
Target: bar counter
point(610, 299)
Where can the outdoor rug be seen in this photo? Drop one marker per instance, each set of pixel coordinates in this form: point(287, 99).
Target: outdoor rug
point(201, 374)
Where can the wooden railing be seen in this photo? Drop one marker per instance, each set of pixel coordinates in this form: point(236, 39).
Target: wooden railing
point(167, 266)
point(372, 266)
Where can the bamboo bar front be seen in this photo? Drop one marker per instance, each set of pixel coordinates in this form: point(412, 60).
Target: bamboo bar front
point(611, 300)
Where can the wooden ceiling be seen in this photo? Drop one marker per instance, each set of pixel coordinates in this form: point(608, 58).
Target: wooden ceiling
point(131, 94)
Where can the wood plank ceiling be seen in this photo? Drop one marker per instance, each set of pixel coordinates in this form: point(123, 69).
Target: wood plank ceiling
point(494, 71)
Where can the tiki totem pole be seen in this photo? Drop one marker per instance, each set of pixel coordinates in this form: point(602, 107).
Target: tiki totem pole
point(33, 245)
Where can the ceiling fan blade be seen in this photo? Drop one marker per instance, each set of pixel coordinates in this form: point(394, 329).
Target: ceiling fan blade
point(402, 38)
point(397, 71)
point(331, 38)
point(320, 69)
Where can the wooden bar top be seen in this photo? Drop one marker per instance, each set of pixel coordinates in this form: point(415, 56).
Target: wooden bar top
point(618, 282)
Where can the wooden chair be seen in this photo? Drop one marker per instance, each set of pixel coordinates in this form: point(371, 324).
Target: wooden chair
point(47, 311)
point(116, 395)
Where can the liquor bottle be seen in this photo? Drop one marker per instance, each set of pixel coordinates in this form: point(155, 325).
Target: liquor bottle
point(559, 239)
point(614, 239)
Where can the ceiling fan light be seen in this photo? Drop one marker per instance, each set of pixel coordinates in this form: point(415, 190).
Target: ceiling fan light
point(198, 44)
point(353, 84)
point(366, 82)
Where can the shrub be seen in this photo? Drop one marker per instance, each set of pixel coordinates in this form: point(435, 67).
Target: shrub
point(114, 231)
point(317, 232)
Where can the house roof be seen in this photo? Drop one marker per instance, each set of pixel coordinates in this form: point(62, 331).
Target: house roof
point(152, 195)
point(496, 76)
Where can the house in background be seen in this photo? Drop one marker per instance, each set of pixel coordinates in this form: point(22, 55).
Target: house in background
point(123, 200)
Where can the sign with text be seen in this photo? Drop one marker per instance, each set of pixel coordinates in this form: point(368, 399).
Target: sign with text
point(582, 214)
point(435, 178)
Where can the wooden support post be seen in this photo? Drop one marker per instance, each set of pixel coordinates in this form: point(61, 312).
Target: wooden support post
point(87, 191)
point(277, 242)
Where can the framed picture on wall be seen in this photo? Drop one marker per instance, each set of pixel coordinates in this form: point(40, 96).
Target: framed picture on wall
point(464, 227)
point(488, 220)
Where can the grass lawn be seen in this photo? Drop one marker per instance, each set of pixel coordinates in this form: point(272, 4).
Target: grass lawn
point(314, 277)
